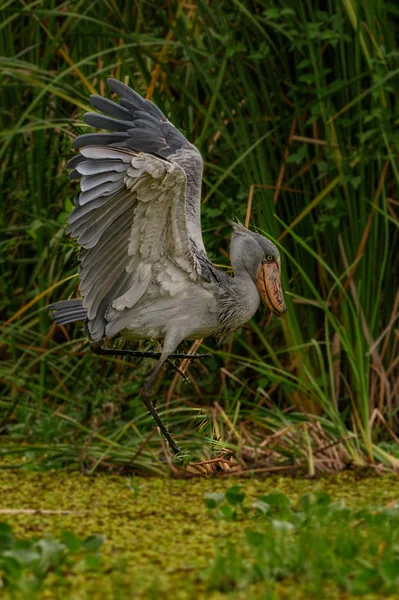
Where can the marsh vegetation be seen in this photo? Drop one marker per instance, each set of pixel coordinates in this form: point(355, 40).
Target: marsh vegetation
point(294, 107)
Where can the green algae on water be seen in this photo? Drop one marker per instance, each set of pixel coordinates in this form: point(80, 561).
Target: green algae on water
point(159, 536)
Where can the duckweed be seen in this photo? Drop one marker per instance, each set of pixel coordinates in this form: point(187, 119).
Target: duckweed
point(160, 537)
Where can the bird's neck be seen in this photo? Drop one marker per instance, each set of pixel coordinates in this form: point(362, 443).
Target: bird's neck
point(243, 300)
point(245, 286)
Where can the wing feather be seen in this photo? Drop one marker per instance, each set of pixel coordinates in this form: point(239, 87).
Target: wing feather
point(88, 182)
point(108, 107)
point(90, 167)
point(103, 122)
point(150, 131)
point(90, 259)
point(137, 216)
point(98, 271)
point(89, 139)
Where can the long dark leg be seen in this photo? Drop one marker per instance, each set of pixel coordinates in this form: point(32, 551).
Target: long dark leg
point(99, 350)
point(146, 390)
point(146, 395)
point(141, 354)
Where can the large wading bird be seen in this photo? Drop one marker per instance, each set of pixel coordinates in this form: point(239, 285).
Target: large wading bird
point(144, 273)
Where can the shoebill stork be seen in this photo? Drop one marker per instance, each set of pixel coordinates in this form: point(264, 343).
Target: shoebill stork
point(144, 273)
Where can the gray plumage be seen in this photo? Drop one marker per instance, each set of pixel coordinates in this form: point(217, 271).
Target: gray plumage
point(68, 311)
point(144, 272)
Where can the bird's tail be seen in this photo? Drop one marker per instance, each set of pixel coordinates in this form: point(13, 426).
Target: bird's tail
point(67, 311)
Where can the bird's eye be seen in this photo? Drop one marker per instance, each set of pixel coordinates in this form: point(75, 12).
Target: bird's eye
point(269, 258)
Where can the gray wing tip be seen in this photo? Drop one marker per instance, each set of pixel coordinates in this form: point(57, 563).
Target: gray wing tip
point(99, 139)
point(129, 94)
point(94, 97)
point(119, 88)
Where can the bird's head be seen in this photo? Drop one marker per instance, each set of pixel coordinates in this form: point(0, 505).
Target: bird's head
point(261, 259)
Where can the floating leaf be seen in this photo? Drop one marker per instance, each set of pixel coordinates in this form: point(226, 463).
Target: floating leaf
point(234, 495)
point(213, 499)
point(93, 543)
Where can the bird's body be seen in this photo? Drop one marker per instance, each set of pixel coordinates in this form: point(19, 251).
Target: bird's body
point(195, 313)
point(144, 272)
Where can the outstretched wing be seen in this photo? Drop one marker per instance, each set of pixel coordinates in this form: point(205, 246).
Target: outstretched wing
point(137, 217)
point(139, 124)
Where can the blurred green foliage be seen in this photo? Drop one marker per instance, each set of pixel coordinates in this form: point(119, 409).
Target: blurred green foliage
point(294, 105)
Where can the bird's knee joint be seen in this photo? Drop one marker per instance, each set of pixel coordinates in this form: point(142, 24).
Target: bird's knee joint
point(146, 392)
point(95, 348)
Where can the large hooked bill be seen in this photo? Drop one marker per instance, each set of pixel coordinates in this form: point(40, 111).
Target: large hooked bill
point(268, 282)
